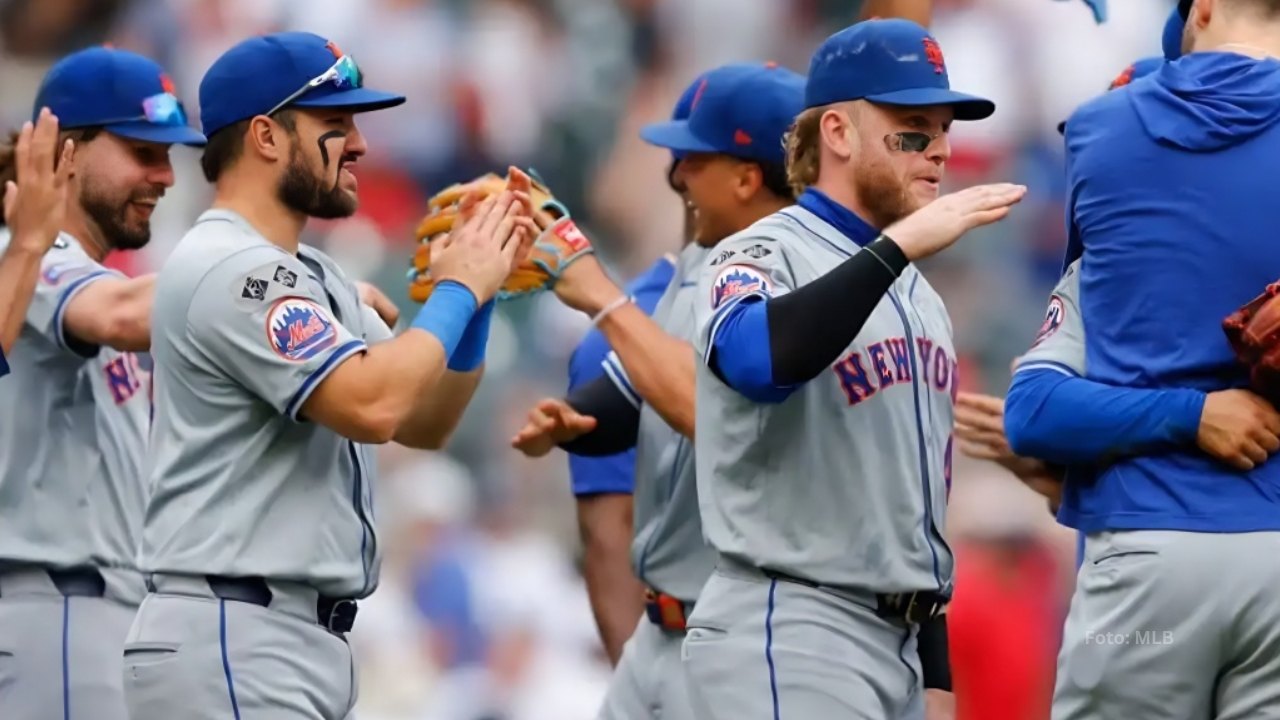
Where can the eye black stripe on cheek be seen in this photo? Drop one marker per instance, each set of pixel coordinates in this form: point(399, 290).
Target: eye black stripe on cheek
point(324, 152)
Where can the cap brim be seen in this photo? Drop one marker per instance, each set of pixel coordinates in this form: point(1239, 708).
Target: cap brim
point(166, 134)
point(967, 107)
point(675, 136)
point(354, 100)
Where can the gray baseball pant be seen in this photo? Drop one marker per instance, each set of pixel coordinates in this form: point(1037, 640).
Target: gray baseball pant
point(761, 648)
point(649, 681)
point(1173, 626)
point(195, 656)
point(60, 654)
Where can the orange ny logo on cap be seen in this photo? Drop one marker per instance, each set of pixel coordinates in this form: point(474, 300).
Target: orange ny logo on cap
point(697, 94)
point(332, 47)
point(933, 53)
point(166, 84)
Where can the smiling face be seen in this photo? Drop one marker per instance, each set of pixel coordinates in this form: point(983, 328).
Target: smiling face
point(716, 190)
point(120, 182)
point(317, 179)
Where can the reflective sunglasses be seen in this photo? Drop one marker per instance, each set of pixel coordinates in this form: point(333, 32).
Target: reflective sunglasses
point(343, 74)
point(915, 142)
point(163, 109)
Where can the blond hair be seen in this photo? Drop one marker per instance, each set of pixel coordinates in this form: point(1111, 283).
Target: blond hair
point(804, 145)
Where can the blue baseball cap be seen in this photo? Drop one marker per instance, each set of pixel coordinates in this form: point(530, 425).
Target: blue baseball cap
point(685, 104)
point(681, 112)
point(1171, 38)
point(1145, 66)
point(290, 69)
point(122, 92)
point(891, 62)
point(741, 110)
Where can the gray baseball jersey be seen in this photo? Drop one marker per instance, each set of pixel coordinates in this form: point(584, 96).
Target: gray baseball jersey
point(73, 429)
point(243, 333)
point(845, 482)
point(1059, 346)
point(668, 553)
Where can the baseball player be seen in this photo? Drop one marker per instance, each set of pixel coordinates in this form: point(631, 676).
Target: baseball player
point(33, 213)
point(271, 381)
point(824, 398)
point(74, 428)
point(980, 418)
point(1185, 492)
point(732, 169)
point(602, 485)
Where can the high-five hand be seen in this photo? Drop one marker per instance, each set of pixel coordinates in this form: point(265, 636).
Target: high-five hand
point(35, 206)
point(939, 224)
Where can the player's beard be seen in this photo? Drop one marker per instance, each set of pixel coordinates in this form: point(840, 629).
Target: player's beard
point(111, 215)
point(302, 191)
point(883, 194)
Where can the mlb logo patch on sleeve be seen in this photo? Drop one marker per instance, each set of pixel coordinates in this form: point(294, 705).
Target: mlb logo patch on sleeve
point(299, 329)
point(737, 280)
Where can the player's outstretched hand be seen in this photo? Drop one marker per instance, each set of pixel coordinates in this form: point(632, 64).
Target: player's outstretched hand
point(35, 206)
point(1238, 428)
point(936, 226)
point(979, 429)
point(551, 422)
point(480, 251)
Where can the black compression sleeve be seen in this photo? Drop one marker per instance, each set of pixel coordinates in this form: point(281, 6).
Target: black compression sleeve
point(617, 420)
point(935, 655)
point(809, 327)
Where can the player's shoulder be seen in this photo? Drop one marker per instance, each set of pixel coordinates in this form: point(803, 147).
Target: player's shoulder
point(321, 258)
point(1069, 284)
point(220, 243)
point(1073, 270)
point(64, 261)
point(1110, 114)
point(765, 242)
point(222, 261)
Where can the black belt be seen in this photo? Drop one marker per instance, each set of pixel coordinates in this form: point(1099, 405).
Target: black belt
point(910, 607)
point(336, 614)
point(73, 582)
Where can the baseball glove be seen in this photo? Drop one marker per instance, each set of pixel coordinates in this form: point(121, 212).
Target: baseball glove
point(1254, 334)
point(559, 244)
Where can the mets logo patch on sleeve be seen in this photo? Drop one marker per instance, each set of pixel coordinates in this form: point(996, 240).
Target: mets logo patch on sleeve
point(737, 280)
point(1052, 319)
point(299, 329)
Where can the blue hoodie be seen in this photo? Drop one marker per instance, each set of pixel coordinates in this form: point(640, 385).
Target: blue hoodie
point(1169, 197)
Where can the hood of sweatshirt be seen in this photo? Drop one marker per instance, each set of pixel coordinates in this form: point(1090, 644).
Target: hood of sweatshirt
point(1208, 101)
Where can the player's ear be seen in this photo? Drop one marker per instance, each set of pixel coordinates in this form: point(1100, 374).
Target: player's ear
point(837, 132)
point(265, 139)
point(1201, 12)
point(749, 178)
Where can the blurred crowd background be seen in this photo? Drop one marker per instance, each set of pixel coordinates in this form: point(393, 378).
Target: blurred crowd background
point(482, 614)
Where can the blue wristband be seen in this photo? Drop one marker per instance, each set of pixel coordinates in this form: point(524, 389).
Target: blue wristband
point(447, 313)
point(469, 354)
